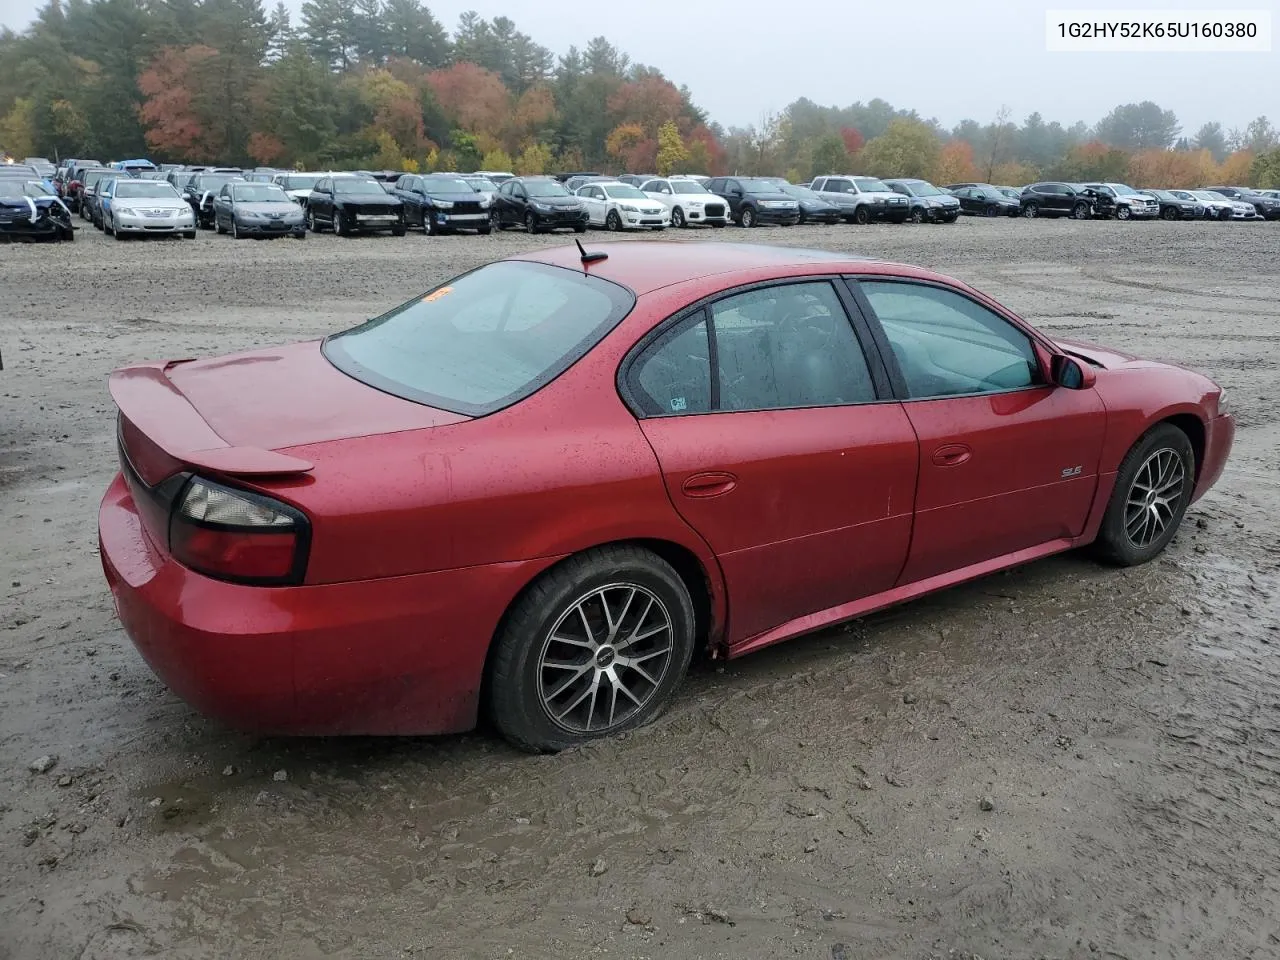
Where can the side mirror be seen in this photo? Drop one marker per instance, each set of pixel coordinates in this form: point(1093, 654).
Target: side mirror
point(1072, 374)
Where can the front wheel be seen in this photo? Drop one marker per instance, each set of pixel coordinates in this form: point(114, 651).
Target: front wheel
point(484, 231)
point(1169, 213)
point(917, 215)
point(495, 220)
point(1152, 492)
point(862, 216)
point(398, 231)
point(580, 228)
point(311, 221)
point(991, 210)
point(235, 230)
point(748, 217)
point(531, 222)
point(596, 646)
point(613, 221)
point(677, 217)
point(1224, 214)
point(1123, 213)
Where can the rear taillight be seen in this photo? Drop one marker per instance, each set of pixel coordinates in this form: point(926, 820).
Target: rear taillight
point(238, 535)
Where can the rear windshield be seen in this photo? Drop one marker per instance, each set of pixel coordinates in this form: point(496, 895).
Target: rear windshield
point(485, 340)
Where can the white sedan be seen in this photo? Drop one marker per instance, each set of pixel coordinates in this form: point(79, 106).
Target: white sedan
point(688, 200)
point(619, 206)
point(1220, 204)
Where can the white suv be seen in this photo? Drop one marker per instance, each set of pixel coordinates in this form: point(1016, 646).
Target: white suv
point(688, 200)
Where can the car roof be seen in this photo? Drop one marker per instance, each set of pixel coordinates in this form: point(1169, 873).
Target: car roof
point(644, 266)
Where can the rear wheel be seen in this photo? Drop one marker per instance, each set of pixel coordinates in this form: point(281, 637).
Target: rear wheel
point(1080, 211)
point(1152, 492)
point(613, 221)
point(596, 646)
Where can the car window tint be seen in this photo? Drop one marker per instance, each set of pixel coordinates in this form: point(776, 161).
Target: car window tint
point(946, 344)
point(788, 346)
point(673, 375)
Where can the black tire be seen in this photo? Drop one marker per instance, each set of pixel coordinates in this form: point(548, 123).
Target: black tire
point(312, 224)
point(862, 216)
point(189, 235)
point(217, 226)
point(1114, 545)
point(1030, 210)
point(429, 224)
point(531, 222)
point(109, 233)
point(484, 231)
point(1080, 211)
point(677, 218)
point(1224, 214)
point(235, 230)
point(514, 701)
point(580, 228)
point(718, 224)
point(340, 225)
point(1123, 213)
point(1169, 213)
point(301, 235)
point(398, 231)
point(613, 221)
point(495, 220)
point(917, 215)
point(69, 234)
point(990, 211)
point(748, 217)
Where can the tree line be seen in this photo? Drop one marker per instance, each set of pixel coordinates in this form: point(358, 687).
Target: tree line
point(383, 84)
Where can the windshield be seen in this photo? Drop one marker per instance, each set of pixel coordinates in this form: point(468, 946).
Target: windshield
point(800, 193)
point(545, 188)
point(1182, 194)
point(23, 188)
point(212, 183)
point(304, 182)
point(871, 185)
point(923, 189)
point(93, 176)
point(484, 340)
point(685, 187)
point(259, 193)
point(357, 187)
point(760, 186)
point(447, 185)
point(989, 193)
point(1209, 195)
point(135, 189)
point(623, 192)
point(1121, 188)
point(482, 185)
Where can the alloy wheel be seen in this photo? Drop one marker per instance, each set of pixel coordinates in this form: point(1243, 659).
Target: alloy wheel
point(605, 658)
point(677, 217)
point(1154, 497)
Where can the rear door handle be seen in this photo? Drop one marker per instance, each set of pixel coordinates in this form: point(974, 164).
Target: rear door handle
point(710, 484)
point(952, 454)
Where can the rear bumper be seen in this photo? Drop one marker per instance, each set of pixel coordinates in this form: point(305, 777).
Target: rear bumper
point(401, 655)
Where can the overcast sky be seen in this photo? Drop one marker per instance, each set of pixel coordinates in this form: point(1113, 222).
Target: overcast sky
point(946, 59)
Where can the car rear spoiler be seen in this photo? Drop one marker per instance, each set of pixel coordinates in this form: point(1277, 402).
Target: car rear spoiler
point(148, 398)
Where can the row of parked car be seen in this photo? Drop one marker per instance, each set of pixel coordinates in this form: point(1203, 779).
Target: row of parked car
point(136, 197)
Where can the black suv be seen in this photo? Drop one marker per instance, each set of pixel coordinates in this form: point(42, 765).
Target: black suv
point(440, 203)
point(539, 203)
point(1056, 199)
point(755, 200)
point(1268, 207)
point(984, 200)
point(353, 204)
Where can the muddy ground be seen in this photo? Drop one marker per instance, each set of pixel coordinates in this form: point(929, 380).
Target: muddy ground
point(821, 799)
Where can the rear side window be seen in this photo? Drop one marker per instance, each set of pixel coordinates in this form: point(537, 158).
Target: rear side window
point(484, 340)
point(673, 375)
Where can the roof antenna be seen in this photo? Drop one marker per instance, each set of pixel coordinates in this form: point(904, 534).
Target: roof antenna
point(589, 258)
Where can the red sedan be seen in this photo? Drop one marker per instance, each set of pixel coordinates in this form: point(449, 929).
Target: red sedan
point(537, 489)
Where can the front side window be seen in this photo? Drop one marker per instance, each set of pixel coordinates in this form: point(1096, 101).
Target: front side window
point(788, 346)
point(948, 345)
point(484, 340)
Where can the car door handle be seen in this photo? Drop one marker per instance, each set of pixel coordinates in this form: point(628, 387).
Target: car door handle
point(952, 454)
point(711, 484)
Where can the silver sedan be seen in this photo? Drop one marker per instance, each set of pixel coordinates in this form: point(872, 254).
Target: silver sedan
point(246, 209)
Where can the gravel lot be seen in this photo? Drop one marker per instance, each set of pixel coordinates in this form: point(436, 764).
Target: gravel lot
point(1064, 761)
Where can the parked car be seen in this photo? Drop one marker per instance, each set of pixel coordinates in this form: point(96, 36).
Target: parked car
point(755, 200)
point(1175, 207)
point(1216, 206)
point(297, 185)
point(73, 186)
point(539, 203)
point(43, 167)
point(688, 200)
point(1273, 194)
point(1267, 207)
point(554, 478)
point(142, 207)
point(90, 208)
point(984, 200)
point(262, 176)
point(1013, 193)
point(245, 208)
point(1123, 202)
point(813, 209)
point(200, 191)
point(637, 179)
point(925, 201)
point(351, 205)
point(864, 199)
point(1057, 199)
point(440, 203)
point(31, 211)
point(496, 176)
point(615, 205)
point(1238, 209)
point(481, 185)
point(566, 177)
point(132, 167)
